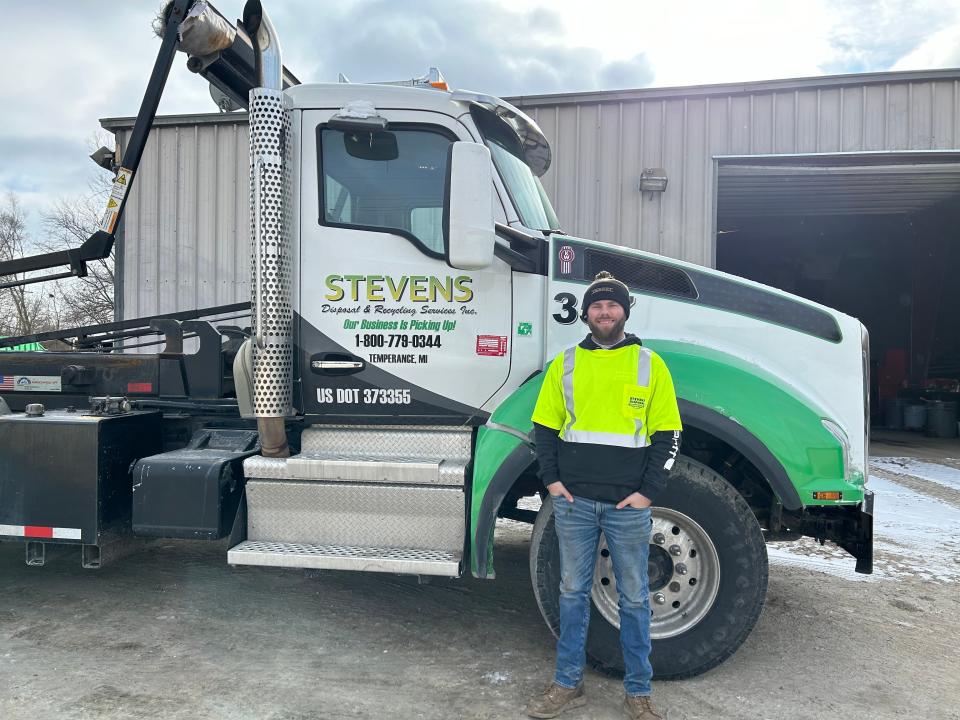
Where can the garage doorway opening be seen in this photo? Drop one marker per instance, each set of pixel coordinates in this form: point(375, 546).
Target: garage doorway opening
point(876, 236)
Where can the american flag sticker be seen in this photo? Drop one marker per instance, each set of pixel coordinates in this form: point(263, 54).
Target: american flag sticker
point(492, 345)
point(566, 256)
point(6, 382)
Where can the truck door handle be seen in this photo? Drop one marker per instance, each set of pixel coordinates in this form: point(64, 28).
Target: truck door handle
point(337, 364)
point(333, 363)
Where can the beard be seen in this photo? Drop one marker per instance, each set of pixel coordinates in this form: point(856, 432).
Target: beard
point(607, 335)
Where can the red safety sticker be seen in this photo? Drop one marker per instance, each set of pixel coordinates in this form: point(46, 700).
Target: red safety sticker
point(34, 531)
point(492, 345)
point(140, 387)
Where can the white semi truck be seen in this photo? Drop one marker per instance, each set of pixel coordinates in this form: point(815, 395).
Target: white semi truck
point(411, 282)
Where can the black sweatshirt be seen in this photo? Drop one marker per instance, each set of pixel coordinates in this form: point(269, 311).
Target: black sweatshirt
point(603, 472)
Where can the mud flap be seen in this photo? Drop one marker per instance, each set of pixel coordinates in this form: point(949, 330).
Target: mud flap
point(859, 543)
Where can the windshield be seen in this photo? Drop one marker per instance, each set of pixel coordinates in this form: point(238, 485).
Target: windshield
point(525, 188)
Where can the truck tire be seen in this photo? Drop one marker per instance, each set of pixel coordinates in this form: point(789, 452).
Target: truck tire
point(701, 612)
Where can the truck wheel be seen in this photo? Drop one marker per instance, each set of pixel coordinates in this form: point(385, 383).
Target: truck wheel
point(708, 577)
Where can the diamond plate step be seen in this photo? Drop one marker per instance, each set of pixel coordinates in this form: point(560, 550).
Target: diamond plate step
point(353, 467)
point(408, 561)
point(391, 441)
point(360, 515)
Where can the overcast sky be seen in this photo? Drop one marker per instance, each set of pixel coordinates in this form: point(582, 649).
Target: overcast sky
point(70, 62)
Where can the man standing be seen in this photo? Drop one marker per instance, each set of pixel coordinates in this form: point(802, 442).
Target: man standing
point(607, 431)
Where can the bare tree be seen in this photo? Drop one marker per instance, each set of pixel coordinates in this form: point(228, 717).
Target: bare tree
point(23, 310)
point(87, 300)
point(63, 303)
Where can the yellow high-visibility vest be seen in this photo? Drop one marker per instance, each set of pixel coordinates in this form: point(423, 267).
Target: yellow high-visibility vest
point(614, 397)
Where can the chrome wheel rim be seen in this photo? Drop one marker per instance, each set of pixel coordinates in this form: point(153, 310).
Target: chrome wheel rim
point(684, 573)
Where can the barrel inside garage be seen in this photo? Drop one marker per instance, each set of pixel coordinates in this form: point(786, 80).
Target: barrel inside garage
point(874, 235)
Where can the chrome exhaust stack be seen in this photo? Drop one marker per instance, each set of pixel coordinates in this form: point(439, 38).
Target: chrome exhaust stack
point(271, 230)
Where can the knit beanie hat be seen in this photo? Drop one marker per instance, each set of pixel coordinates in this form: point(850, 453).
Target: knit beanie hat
point(606, 287)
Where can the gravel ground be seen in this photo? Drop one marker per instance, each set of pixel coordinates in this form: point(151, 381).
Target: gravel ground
point(173, 632)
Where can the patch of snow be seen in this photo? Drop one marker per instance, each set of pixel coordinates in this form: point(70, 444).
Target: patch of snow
point(918, 535)
point(940, 474)
point(808, 553)
point(496, 677)
point(531, 502)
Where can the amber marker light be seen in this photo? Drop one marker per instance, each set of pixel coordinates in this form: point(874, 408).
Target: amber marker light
point(832, 495)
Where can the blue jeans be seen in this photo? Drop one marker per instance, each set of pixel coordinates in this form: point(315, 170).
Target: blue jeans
point(627, 532)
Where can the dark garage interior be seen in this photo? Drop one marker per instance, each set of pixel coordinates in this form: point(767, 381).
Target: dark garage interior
point(875, 237)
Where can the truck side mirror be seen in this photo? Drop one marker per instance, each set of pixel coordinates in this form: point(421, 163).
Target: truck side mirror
point(469, 233)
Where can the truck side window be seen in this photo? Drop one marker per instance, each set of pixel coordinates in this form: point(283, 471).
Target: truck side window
point(391, 180)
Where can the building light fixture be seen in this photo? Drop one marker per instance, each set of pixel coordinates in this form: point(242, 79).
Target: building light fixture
point(653, 180)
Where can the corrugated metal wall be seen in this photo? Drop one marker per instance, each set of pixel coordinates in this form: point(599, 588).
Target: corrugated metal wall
point(185, 234)
point(603, 141)
point(184, 241)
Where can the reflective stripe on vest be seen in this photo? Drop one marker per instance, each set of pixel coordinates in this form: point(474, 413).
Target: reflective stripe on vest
point(569, 360)
point(643, 378)
point(638, 439)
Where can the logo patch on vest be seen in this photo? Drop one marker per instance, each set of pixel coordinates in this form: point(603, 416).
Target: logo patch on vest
point(635, 401)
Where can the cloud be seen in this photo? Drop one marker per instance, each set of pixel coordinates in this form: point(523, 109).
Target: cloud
point(941, 50)
point(477, 44)
point(872, 35)
point(631, 73)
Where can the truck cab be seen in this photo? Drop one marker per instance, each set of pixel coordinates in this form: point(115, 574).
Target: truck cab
point(373, 283)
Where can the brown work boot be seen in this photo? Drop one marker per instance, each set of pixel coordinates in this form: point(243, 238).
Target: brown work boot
point(555, 700)
point(639, 707)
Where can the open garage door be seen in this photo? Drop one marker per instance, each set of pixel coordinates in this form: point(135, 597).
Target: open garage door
point(875, 235)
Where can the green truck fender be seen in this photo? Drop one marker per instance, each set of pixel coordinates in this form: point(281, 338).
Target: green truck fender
point(504, 450)
point(744, 406)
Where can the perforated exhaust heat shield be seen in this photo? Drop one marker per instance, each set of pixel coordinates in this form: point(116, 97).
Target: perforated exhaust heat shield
point(271, 229)
point(271, 262)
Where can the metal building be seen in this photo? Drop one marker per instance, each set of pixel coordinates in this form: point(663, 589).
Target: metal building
point(603, 141)
point(185, 231)
point(184, 238)
point(829, 187)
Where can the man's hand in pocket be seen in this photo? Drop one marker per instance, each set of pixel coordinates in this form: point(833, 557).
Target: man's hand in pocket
point(634, 500)
point(558, 490)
